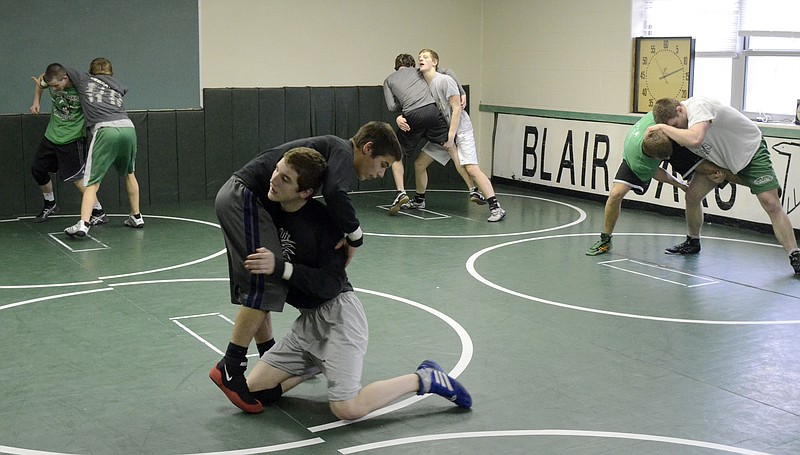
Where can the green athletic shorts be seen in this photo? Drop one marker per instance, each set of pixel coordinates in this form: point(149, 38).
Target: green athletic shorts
point(110, 146)
point(759, 174)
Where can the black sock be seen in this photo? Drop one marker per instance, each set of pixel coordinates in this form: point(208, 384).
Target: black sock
point(493, 202)
point(236, 355)
point(268, 396)
point(419, 197)
point(693, 241)
point(264, 347)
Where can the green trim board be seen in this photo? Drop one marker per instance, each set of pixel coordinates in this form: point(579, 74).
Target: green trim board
point(783, 131)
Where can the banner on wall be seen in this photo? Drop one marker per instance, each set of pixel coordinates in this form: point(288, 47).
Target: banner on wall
point(584, 156)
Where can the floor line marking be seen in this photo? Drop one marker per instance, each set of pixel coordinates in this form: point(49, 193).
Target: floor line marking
point(673, 270)
point(53, 285)
point(643, 274)
point(470, 265)
point(193, 316)
point(162, 269)
point(581, 218)
point(175, 280)
point(461, 365)
point(198, 337)
point(252, 451)
point(576, 433)
point(653, 266)
point(440, 216)
point(53, 235)
point(53, 297)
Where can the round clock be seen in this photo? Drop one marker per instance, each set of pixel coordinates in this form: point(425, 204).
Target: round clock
point(663, 68)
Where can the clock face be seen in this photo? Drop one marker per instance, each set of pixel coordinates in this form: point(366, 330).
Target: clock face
point(663, 69)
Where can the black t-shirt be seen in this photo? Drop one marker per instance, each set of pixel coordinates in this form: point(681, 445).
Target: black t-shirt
point(308, 237)
point(338, 179)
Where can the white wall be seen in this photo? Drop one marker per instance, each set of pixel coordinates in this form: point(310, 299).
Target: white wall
point(572, 55)
point(277, 43)
point(551, 54)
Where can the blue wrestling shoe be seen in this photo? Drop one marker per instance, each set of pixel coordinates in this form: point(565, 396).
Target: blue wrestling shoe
point(433, 379)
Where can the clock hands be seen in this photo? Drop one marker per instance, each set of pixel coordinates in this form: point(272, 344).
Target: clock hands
point(660, 68)
point(664, 76)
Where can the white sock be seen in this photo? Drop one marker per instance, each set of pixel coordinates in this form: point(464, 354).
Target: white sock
point(50, 197)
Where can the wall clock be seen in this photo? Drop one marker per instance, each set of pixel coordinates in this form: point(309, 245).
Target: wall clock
point(663, 67)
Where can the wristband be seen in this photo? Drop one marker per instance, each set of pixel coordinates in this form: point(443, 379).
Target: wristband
point(355, 243)
point(287, 271)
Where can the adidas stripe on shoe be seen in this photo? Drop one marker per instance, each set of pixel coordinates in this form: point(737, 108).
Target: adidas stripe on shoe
point(432, 379)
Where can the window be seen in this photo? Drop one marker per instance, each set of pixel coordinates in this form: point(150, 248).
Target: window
point(747, 52)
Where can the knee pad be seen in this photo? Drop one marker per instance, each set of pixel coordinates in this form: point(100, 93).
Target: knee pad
point(40, 175)
point(268, 396)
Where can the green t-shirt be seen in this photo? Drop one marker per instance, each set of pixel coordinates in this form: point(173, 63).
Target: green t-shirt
point(644, 167)
point(66, 119)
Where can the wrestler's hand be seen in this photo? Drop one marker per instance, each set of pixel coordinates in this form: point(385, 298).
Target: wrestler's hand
point(262, 262)
point(351, 250)
point(717, 176)
point(402, 123)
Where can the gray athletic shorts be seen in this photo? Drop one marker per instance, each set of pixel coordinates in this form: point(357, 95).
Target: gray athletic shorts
point(333, 337)
point(246, 225)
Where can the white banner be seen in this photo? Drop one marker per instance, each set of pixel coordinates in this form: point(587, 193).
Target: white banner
point(584, 156)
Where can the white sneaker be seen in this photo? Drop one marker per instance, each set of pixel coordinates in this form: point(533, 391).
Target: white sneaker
point(134, 222)
point(78, 229)
point(414, 204)
point(476, 197)
point(398, 202)
point(496, 215)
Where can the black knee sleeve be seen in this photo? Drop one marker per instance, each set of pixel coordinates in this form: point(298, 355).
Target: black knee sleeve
point(40, 174)
point(268, 396)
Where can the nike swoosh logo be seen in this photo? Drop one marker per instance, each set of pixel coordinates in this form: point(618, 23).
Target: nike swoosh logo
point(227, 376)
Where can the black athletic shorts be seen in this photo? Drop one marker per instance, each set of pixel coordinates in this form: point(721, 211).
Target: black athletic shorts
point(683, 161)
point(68, 161)
point(426, 121)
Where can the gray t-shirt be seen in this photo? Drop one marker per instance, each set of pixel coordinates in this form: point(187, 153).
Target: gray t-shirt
point(101, 97)
point(406, 90)
point(443, 87)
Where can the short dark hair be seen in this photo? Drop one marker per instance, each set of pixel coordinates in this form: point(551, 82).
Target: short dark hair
point(384, 140)
point(54, 71)
point(665, 109)
point(310, 166)
point(404, 60)
point(656, 144)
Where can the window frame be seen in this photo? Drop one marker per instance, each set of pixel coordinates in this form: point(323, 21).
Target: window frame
point(739, 55)
point(739, 73)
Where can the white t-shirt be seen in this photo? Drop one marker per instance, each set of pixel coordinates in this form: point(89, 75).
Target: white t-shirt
point(442, 88)
point(731, 141)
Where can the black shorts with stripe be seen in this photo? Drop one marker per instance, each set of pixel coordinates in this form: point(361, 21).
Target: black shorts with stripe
point(682, 161)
